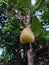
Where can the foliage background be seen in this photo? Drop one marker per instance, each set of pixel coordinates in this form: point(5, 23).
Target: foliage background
point(10, 23)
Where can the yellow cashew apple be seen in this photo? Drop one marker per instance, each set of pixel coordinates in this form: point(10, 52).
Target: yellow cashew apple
point(27, 36)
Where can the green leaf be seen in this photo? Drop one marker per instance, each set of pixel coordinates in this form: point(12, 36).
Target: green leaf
point(27, 3)
point(1, 1)
point(24, 3)
point(36, 26)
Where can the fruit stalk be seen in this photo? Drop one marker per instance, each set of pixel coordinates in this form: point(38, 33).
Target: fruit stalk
point(30, 56)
